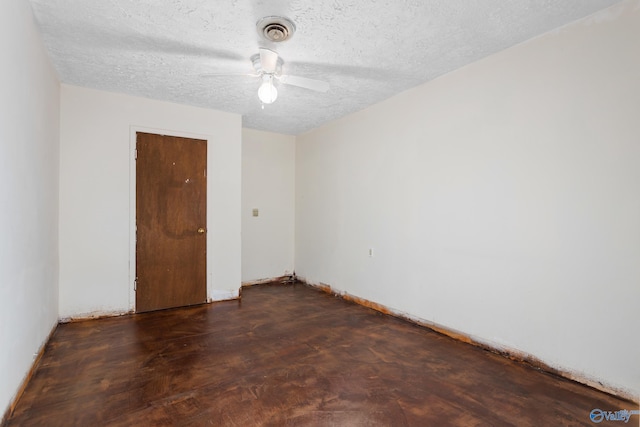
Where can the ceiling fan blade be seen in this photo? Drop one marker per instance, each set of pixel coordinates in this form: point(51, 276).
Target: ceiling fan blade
point(303, 82)
point(268, 60)
point(229, 75)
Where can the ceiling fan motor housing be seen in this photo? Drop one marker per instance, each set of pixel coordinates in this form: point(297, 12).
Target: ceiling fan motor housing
point(257, 65)
point(275, 28)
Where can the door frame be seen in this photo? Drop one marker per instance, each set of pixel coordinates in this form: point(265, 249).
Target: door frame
point(133, 131)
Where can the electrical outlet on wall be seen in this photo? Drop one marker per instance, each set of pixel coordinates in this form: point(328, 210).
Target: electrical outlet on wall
point(370, 252)
point(255, 212)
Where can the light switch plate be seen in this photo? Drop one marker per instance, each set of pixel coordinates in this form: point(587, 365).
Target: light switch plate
point(255, 212)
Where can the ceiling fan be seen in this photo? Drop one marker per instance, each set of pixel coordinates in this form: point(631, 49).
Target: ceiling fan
point(267, 64)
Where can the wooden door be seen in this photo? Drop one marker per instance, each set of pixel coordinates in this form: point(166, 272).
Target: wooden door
point(171, 210)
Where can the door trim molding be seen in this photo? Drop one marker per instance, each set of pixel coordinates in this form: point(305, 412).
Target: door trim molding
point(133, 130)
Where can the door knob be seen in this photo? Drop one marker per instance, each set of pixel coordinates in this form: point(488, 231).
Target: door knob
point(201, 230)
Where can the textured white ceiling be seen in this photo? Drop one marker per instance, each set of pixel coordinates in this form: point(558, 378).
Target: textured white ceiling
point(367, 50)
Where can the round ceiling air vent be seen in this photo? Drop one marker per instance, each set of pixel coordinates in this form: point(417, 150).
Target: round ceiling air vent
point(275, 28)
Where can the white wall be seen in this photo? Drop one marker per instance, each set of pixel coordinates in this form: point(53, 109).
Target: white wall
point(29, 149)
point(268, 174)
point(96, 189)
point(501, 200)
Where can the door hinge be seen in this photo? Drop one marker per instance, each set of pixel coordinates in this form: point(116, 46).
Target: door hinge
point(135, 284)
point(136, 154)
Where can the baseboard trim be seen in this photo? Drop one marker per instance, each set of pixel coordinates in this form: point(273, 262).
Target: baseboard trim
point(290, 278)
point(27, 377)
point(512, 354)
point(94, 316)
point(217, 296)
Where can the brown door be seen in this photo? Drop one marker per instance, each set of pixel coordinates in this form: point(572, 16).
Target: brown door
point(171, 211)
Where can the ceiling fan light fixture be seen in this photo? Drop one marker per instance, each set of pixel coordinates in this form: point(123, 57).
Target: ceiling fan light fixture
point(267, 91)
